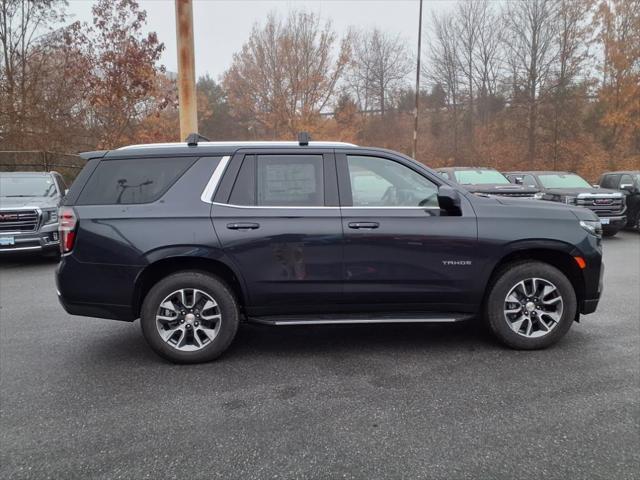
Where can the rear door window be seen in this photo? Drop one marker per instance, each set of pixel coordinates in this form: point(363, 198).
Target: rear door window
point(290, 180)
point(132, 181)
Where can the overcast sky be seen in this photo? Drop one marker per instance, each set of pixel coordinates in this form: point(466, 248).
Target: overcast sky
point(222, 26)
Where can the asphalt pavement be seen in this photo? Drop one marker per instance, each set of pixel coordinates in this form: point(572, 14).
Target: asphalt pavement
point(86, 398)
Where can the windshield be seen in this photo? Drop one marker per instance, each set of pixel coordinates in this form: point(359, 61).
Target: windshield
point(27, 186)
point(480, 177)
point(570, 180)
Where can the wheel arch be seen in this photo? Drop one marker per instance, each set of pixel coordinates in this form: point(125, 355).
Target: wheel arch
point(556, 257)
point(161, 268)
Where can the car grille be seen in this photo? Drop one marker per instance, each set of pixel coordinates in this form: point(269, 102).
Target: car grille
point(18, 220)
point(603, 206)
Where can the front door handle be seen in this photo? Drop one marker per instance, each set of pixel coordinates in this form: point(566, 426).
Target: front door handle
point(243, 226)
point(363, 225)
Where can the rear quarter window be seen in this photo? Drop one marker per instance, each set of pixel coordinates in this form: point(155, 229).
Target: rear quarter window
point(130, 181)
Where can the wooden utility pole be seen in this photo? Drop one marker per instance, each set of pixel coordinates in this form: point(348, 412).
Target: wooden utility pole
point(415, 118)
point(186, 69)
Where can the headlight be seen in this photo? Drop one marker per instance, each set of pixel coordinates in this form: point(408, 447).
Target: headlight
point(538, 195)
point(49, 215)
point(593, 227)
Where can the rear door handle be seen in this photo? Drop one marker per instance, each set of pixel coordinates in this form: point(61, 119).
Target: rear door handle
point(243, 226)
point(363, 225)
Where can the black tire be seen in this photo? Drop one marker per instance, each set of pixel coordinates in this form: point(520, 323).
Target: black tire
point(212, 286)
point(507, 278)
point(609, 231)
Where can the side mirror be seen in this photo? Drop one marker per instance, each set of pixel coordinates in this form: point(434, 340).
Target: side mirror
point(627, 186)
point(595, 185)
point(449, 200)
point(519, 181)
point(66, 190)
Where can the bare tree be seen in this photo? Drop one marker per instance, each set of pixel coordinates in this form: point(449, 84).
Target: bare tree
point(571, 45)
point(379, 68)
point(25, 33)
point(443, 67)
point(286, 74)
point(487, 58)
point(532, 31)
point(467, 20)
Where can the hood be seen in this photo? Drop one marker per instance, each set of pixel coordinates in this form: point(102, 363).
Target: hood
point(20, 202)
point(501, 189)
point(574, 192)
point(525, 203)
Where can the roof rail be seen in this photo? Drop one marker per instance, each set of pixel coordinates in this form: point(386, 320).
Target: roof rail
point(194, 138)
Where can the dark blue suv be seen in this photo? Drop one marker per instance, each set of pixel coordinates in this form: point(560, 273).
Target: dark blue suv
point(195, 238)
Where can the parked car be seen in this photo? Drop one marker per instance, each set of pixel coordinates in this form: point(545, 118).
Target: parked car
point(628, 183)
point(569, 188)
point(29, 204)
point(483, 180)
point(193, 238)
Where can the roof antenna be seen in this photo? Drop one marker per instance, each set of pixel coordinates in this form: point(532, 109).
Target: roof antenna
point(303, 139)
point(194, 138)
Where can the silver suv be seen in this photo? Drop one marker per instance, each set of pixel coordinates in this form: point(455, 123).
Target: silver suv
point(29, 204)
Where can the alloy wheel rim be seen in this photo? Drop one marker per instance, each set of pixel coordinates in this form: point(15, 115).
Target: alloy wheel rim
point(188, 319)
point(533, 307)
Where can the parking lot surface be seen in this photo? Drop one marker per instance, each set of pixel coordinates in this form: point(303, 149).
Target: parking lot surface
point(86, 398)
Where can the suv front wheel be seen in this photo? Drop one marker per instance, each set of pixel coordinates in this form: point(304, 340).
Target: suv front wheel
point(531, 305)
point(189, 317)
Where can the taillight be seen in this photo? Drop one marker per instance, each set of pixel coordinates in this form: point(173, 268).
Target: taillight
point(68, 223)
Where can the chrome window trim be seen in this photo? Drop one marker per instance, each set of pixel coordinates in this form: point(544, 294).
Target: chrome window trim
point(216, 176)
point(392, 208)
point(316, 207)
point(212, 184)
point(233, 205)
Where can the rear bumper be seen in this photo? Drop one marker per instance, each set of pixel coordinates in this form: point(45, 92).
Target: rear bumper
point(97, 310)
point(45, 239)
point(108, 293)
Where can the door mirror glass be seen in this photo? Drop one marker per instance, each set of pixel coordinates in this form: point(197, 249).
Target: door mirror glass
point(449, 200)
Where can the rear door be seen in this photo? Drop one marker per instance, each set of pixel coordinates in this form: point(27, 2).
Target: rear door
point(277, 216)
point(400, 249)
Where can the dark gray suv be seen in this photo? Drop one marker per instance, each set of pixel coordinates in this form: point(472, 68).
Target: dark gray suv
point(195, 238)
point(29, 204)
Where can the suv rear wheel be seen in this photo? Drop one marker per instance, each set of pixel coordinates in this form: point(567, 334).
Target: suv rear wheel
point(189, 317)
point(531, 305)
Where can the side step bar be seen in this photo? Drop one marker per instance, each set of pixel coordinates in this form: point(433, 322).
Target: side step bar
point(336, 319)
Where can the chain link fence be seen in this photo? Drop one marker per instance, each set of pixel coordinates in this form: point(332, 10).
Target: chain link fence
point(68, 165)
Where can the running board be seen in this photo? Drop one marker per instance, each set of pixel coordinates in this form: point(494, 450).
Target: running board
point(335, 319)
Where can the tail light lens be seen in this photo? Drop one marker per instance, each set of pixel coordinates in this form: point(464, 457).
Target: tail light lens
point(68, 223)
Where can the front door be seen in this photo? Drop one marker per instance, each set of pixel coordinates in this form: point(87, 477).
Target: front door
point(400, 249)
point(280, 224)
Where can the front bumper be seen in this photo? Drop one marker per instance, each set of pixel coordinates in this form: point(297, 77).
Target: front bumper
point(613, 223)
point(45, 239)
point(590, 304)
